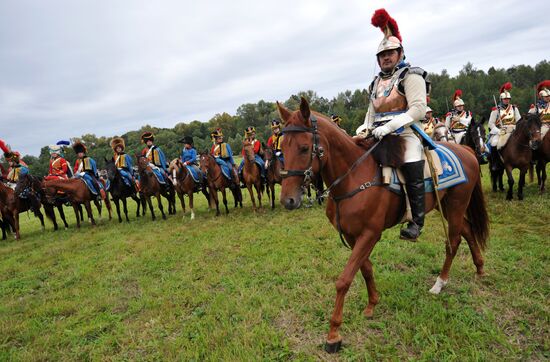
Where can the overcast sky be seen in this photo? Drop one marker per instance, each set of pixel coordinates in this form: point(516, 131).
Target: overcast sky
point(70, 67)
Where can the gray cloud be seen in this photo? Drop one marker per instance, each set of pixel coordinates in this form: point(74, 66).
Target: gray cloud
point(107, 67)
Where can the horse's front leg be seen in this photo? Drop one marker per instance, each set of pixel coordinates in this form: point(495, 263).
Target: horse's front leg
point(159, 200)
point(224, 198)
point(510, 194)
point(258, 187)
point(521, 183)
point(368, 275)
point(77, 211)
point(125, 207)
point(272, 187)
point(62, 215)
point(360, 253)
point(251, 192)
point(117, 205)
point(150, 203)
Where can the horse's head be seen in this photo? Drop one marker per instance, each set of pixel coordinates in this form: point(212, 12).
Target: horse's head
point(24, 182)
point(268, 154)
point(248, 148)
point(111, 169)
point(303, 153)
point(206, 160)
point(477, 134)
point(441, 133)
point(529, 126)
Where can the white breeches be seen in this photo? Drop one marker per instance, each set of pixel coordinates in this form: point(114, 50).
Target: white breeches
point(458, 136)
point(413, 147)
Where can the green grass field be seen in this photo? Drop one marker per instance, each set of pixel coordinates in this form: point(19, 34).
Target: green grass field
point(261, 287)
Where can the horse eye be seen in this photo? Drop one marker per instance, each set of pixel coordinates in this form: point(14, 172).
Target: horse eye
point(303, 149)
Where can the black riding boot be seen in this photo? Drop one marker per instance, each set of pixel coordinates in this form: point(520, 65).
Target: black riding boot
point(414, 182)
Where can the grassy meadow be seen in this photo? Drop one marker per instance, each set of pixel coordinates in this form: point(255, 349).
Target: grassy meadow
point(248, 286)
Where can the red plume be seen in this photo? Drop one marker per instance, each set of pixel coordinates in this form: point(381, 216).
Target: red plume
point(543, 84)
point(4, 147)
point(458, 94)
point(506, 87)
point(381, 19)
point(427, 99)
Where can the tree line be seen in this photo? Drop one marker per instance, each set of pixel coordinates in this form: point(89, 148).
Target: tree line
point(478, 89)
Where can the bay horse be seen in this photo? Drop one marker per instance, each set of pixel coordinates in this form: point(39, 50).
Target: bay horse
point(150, 186)
point(77, 193)
point(518, 152)
point(252, 177)
point(216, 181)
point(119, 190)
point(542, 156)
point(12, 205)
point(34, 183)
point(185, 185)
point(360, 207)
point(273, 173)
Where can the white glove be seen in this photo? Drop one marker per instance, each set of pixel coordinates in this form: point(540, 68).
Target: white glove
point(381, 131)
point(278, 153)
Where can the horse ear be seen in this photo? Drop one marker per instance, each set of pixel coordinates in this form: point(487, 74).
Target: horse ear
point(304, 109)
point(283, 112)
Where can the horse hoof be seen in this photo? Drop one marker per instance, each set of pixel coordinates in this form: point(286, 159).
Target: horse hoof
point(439, 284)
point(369, 311)
point(333, 347)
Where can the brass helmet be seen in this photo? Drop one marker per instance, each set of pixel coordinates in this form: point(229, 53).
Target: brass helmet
point(457, 101)
point(505, 91)
point(392, 39)
point(543, 88)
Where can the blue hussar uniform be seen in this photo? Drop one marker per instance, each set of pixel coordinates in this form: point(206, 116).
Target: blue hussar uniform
point(86, 169)
point(156, 158)
point(123, 161)
point(189, 158)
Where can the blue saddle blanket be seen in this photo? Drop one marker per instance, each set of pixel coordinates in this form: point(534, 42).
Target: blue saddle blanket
point(259, 161)
point(195, 173)
point(453, 172)
point(89, 183)
point(159, 175)
point(226, 168)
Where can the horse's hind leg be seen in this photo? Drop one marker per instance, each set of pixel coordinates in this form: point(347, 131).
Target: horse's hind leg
point(455, 220)
point(182, 202)
point(475, 250)
point(259, 192)
point(191, 205)
point(368, 275)
point(90, 212)
point(98, 206)
point(117, 205)
point(78, 213)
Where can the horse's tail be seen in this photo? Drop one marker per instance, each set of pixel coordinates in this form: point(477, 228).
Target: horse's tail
point(478, 217)
point(531, 171)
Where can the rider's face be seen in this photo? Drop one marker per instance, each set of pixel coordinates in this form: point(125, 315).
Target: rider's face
point(546, 99)
point(460, 108)
point(149, 143)
point(429, 114)
point(118, 149)
point(80, 155)
point(506, 101)
point(388, 59)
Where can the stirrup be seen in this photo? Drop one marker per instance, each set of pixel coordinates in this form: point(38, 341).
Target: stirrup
point(403, 233)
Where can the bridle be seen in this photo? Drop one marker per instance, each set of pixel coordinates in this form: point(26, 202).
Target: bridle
point(317, 151)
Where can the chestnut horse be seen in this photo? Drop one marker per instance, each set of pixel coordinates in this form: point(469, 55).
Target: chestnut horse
point(185, 185)
point(217, 181)
point(273, 173)
point(12, 206)
point(150, 186)
point(518, 152)
point(252, 174)
point(77, 193)
point(360, 207)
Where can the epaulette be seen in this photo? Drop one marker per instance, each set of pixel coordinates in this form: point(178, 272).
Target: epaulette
point(448, 114)
point(531, 106)
point(494, 109)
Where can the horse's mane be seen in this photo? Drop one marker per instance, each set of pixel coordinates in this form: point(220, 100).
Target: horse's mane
point(526, 121)
point(389, 152)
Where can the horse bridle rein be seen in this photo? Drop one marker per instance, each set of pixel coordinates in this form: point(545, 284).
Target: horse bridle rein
point(318, 151)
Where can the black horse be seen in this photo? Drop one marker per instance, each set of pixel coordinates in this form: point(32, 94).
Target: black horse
point(475, 139)
point(119, 190)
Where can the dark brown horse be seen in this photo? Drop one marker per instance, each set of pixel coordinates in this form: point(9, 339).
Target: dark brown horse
point(185, 185)
point(150, 186)
point(252, 177)
point(518, 151)
point(273, 173)
point(217, 181)
point(119, 190)
point(475, 139)
point(542, 156)
point(359, 205)
point(34, 185)
point(77, 193)
point(12, 206)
